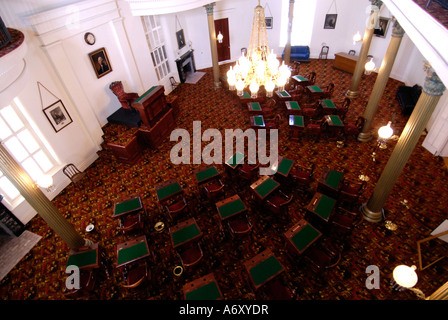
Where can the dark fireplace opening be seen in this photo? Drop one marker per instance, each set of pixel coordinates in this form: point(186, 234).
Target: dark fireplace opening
point(185, 65)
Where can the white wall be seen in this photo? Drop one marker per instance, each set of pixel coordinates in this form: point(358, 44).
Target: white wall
point(58, 58)
point(240, 14)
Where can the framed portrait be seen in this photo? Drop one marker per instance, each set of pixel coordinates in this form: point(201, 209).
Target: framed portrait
point(383, 25)
point(269, 22)
point(58, 115)
point(100, 62)
point(180, 38)
point(330, 21)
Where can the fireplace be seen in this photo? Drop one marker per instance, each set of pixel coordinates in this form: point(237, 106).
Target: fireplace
point(185, 65)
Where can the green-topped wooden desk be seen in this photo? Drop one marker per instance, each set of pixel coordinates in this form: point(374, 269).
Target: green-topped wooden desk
point(185, 232)
point(296, 125)
point(264, 186)
point(315, 91)
point(257, 122)
point(254, 108)
point(235, 160)
point(328, 106)
point(132, 250)
point(335, 126)
point(330, 182)
point(282, 96)
point(334, 121)
point(231, 206)
point(322, 206)
point(301, 80)
point(284, 166)
point(204, 288)
point(168, 190)
point(127, 206)
point(263, 268)
point(302, 235)
point(85, 259)
point(204, 174)
point(293, 107)
point(246, 98)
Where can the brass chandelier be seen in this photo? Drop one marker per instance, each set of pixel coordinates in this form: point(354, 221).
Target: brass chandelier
point(258, 67)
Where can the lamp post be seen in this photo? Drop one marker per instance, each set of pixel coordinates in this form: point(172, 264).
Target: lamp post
point(384, 133)
point(405, 278)
point(369, 66)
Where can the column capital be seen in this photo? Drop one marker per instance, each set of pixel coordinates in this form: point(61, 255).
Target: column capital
point(377, 3)
point(209, 8)
point(433, 86)
point(397, 30)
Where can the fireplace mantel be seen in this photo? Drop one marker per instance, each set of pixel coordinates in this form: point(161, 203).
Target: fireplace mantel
point(185, 60)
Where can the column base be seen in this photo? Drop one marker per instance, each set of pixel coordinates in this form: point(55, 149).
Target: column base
point(364, 136)
point(217, 85)
point(352, 94)
point(370, 215)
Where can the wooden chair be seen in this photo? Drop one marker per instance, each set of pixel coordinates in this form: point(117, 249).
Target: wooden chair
point(73, 173)
point(239, 225)
point(136, 276)
point(174, 83)
point(311, 111)
point(353, 130)
point(324, 52)
point(248, 172)
point(341, 110)
point(350, 191)
point(177, 210)
point(214, 190)
point(290, 86)
point(295, 66)
point(278, 202)
point(322, 258)
point(275, 289)
point(125, 98)
point(343, 222)
point(190, 254)
point(273, 123)
point(298, 94)
point(311, 78)
point(328, 92)
point(316, 128)
point(87, 282)
point(131, 223)
point(302, 177)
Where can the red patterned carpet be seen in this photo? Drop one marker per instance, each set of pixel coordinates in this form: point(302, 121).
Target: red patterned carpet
point(435, 10)
point(41, 274)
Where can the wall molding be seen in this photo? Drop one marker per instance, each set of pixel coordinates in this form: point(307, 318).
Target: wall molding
point(156, 7)
point(67, 21)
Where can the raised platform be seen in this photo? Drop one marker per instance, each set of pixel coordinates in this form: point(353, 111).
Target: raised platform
point(125, 117)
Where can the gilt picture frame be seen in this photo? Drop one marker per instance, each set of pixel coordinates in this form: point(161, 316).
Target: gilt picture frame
point(383, 26)
point(100, 62)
